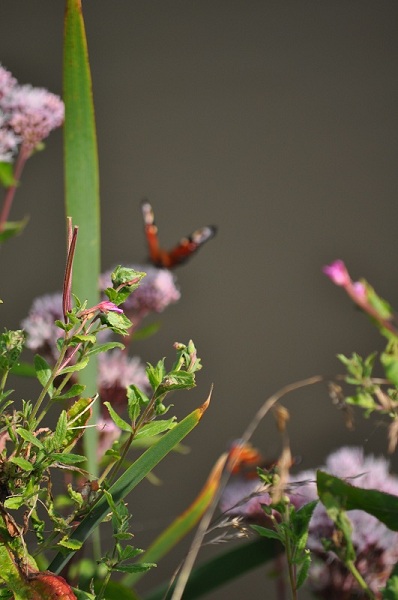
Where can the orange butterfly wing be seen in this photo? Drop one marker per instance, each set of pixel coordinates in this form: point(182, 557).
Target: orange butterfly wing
point(180, 253)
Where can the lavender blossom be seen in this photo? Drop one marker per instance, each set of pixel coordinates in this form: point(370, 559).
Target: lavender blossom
point(7, 82)
point(27, 115)
point(156, 291)
point(8, 141)
point(116, 372)
point(41, 331)
point(34, 113)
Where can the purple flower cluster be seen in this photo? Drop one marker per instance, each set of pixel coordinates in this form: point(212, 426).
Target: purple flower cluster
point(27, 116)
point(376, 546)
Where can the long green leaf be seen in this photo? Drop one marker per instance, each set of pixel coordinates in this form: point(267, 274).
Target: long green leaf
point(82, 183)
point(130, 478)
point(381, 505)
point(223, 569)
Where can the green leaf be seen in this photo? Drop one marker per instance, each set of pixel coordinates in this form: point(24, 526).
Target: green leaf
point(70, 544)
point(156, 373)
point(155, 427)
point(381, 505)
point(224, 568)
point(116, 591)
point(75, 390)
point(265, 532)
point(145, 332)
point(24, 369)
point(7, 174)
point(67, 458)
point(176, 380)
point(104, 348)
point(82, 185)
point(129, 480)
point(14, 502)
point(29, 437)
point(43, 372)
point(119, 422)
point(58, 440)
point(390, 592)
point(79, 366)
point(304, 569)
point(12, 228)
point(389, 360)
point(22, 463)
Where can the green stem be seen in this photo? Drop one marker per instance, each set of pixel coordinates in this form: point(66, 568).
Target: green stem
point(360, 580)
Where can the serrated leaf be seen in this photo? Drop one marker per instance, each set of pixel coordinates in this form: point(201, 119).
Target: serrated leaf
point(138, 568)
point(83, 338)
point(304, 569)
point(105, 348)
point(155, 428)
point(75, 390)
point(60, 431)
point(22, 463)
point(67, 458)
point(129, 552)
point(29, 437)
point(119, 422)
point(69, 543)
point(176, 380)
point(82, 364)
point(14, 502)
point(265, 532)
point(156, 373)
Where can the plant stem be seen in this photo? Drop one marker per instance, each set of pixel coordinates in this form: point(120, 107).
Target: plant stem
point(9, 198)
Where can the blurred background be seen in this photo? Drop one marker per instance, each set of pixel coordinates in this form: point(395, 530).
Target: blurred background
point(275, 121)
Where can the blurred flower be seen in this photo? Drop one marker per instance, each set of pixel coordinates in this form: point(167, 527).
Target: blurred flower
point(28, 114)
point(375, 545)
point(42, 333)
point(8, 141)
point(338, 273)
point(7, 82)
point(156, 291)
point(34, 113)
point(116, 372)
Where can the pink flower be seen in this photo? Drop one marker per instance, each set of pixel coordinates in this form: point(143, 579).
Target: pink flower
point(7, 82)
point(33, 113)
point(8, 141)
point(338, 273)
point(116, 372)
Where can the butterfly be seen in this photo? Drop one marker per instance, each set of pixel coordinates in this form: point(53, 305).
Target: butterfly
point(168, 259)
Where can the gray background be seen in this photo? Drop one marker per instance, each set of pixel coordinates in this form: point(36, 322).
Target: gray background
point(276, 121)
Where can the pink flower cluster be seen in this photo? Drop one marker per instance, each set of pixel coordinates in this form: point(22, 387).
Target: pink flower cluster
point(27, 116)
point(376, 546)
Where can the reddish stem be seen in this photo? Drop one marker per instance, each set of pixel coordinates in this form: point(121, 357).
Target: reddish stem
point(8, 200)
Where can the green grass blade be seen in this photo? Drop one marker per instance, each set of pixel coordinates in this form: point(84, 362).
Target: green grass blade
point(127, 482)
point(82, 183)
point(223, 569)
